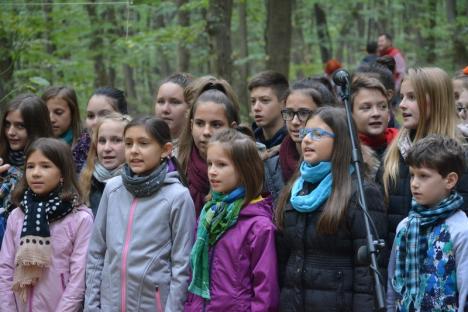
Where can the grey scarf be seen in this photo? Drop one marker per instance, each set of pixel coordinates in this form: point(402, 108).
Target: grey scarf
point(102, 174)
point(144, 186)
point(405, 144)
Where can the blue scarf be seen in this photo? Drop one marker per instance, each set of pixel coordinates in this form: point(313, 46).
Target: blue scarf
point(312, 174)
point(67, 136)
point(413, 246)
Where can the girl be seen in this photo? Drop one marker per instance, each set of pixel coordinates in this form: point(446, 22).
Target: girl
point(171, 104)
point(138, 258)
point(301, 102)
point(215, 107)
point(460, 88)
point(233, 259)
point(105, 158)
point(104, 101)
point(427, 107)
point(371, 113)
point(322, 226)
point(24, 119)
point(66, 123)
point(42, 261)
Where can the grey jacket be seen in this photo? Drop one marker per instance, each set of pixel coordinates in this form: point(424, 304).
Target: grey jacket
point(274, 181)
point(138, 257)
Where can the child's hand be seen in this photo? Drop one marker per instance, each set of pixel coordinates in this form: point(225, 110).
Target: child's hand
point(3, 167)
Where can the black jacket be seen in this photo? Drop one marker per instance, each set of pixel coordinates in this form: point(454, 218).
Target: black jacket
point(320, 272)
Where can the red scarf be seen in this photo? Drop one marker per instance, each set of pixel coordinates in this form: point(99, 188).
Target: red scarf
point(288, 157)
point(197, 175)
point(377, 142)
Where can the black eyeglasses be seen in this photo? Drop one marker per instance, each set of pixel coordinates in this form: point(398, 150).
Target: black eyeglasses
point(303, 114)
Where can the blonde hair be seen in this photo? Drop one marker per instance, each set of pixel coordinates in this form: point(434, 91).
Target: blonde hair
point(87, 172)
point(437, 115)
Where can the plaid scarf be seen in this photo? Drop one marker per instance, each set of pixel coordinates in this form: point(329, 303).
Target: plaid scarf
point(34, 251)
point(217, 216)
point(413, 246)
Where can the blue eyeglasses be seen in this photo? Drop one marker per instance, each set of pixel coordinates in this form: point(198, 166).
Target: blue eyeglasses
point(315, 134)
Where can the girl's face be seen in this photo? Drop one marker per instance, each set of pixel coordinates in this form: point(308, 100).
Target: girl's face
point(60, 115)
point(208, 118)
point(409, 106)
point(142, 152)
point(461, 99)
point(302, 106)
point(222, 173)
point(98, 107)
point(171, 107)
point(15, 131)
point(110, 147)
point(317, 149)
point(42, 175)
point(370, 112)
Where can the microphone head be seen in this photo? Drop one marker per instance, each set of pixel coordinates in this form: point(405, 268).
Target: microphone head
point(341, 77)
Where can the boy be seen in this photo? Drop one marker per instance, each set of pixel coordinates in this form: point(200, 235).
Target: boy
point(267, 91)
point(428, 269)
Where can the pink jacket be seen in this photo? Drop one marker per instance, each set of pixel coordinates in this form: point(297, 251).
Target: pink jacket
point(62, 286)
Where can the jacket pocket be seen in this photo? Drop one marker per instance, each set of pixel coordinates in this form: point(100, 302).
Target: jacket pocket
point(158, 300)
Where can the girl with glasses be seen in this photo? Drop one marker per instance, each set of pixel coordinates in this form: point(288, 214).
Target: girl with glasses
point(321, 225)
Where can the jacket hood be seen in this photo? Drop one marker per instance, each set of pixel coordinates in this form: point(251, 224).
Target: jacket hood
point(263, 207)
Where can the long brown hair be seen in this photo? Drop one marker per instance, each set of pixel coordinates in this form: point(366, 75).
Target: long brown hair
point(243, 152)
point(437, 115)
point(337, 203)
point(59, 153)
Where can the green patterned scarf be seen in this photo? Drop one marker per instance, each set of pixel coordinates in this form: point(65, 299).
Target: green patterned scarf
point(217, 216)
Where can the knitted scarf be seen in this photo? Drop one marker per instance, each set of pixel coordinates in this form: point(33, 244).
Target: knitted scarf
point(377, 142)
point(67, 136)
point(288, 157)
point(16, 158)
point(144, 186)
point(102, 174)
point(197, 175)
point(34, 251)
point(316, 173)
point(217, 216)
point(413, 246)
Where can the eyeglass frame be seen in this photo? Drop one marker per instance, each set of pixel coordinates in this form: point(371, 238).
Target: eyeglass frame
point(296, 113)
point(303, 132)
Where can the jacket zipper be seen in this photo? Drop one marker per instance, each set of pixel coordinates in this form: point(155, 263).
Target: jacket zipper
point(211, 255)
point(62, 278)
point(123, 271)
point(158, 300)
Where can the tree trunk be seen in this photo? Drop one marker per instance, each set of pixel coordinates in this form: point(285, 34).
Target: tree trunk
point(218, 27)
point(97, 42)
point(7, 64)
point(183, 52)
point(323, 34)
point(460, 52)
point(243, 54)
point(278, 35)
point(163, 61)
point(49, 44)
point(431, 40)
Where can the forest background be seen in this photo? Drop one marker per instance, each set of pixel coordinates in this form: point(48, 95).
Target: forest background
point(133, 45)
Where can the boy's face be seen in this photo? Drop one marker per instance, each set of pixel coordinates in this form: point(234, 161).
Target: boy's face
point(429, 187)
point(265, 106)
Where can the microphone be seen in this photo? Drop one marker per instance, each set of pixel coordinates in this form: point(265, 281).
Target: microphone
point(341, 77)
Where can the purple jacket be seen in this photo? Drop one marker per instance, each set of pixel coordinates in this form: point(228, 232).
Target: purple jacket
point(243, 266)
point(62, 285)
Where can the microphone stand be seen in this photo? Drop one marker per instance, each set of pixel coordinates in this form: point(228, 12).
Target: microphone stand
point(373, 246)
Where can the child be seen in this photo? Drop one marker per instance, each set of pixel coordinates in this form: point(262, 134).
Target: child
point(460, 88)
point(215, 107)
point(42, 261)
point(105, 158)
point(322, 226)
point(233, 259)
point(24, 119)
point(171, 104)
point(427, 107)
point(138, 258)
point(104, 101)
point(301, 102)
point(428, 269)
point(66, 123)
